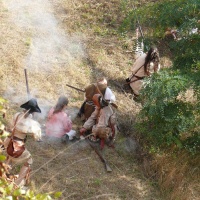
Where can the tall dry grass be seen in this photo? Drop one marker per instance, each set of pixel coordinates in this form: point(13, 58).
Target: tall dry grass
point(178, 175)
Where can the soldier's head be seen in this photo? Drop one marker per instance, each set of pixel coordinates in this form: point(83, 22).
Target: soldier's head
point(102, 80)
point(171, 33)
point(152, 56)
point(61, 104)
point(99, 101)
point(102, 84)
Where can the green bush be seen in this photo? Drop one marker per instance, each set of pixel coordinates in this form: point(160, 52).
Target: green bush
point(168, 117)
point(157, 16)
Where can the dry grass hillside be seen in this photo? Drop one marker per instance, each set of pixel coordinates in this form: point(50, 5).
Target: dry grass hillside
point(74, 42)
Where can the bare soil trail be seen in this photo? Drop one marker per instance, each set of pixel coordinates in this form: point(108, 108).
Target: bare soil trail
point(71, 41)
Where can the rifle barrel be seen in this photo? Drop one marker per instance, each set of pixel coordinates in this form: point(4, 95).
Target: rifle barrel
point(108, 169)
point(27, 87)
point(80, 90)
point(140, 28)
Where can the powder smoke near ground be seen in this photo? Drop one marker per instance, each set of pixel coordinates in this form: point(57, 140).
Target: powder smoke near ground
point(50, 50)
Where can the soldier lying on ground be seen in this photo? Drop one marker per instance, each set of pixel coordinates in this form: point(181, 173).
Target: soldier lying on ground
point(144, 66)
point(102, 122)
point(95, 88)
point(22, 126)
point(58, 124)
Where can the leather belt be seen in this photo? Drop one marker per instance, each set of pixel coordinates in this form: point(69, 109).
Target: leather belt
point(90, 103)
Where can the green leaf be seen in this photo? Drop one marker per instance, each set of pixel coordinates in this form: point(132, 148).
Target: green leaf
point(2, 158)
point(57, 194)
point(17, 192)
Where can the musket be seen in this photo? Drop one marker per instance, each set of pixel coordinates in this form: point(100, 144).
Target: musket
point(80, 90)
point(27, 87)
point(108, 169)
point(138, 24)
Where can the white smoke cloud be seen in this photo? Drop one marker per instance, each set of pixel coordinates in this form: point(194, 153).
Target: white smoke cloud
point(49, 44)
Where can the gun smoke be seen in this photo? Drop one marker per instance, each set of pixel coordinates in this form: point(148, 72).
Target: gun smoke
point(50, 47)
point(49, 44)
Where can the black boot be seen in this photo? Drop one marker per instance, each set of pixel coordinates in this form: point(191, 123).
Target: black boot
point(65, 138)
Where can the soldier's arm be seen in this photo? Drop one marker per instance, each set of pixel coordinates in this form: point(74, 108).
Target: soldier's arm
point(35, 130)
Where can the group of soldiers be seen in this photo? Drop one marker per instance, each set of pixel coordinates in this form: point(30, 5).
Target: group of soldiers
point(98, 110)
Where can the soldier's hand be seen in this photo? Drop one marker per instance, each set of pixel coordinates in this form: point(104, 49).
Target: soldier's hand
point(82, 130)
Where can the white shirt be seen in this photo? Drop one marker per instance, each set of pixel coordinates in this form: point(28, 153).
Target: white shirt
point(109, 95)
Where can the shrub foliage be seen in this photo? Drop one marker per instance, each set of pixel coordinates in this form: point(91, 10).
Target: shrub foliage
point(170, 116)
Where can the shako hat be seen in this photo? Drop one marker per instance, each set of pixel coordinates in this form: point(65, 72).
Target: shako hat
point(31, 105)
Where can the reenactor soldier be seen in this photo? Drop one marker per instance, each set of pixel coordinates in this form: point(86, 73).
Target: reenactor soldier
point(144, 66)
point(102, 122)
point(101, 88)
point(22, 126)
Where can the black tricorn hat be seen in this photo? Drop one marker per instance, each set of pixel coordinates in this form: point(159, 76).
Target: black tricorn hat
point(31, 105)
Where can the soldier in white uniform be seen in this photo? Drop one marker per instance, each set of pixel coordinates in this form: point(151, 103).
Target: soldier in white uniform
point(17, 153)
point(144, 66)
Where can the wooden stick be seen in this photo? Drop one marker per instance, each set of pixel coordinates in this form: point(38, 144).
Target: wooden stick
point(27, 87)
point(108, 169)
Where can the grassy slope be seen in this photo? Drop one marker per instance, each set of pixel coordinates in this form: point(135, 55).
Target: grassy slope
point(75, 169)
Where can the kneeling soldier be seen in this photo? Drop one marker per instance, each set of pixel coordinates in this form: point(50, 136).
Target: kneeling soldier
point(102, 122)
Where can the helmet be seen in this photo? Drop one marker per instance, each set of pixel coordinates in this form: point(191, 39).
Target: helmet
point(102, 85)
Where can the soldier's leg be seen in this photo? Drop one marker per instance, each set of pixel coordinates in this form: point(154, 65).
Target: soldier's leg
point(24, 173)
point(102, 143)
point(112, 135)
point(88, 110)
